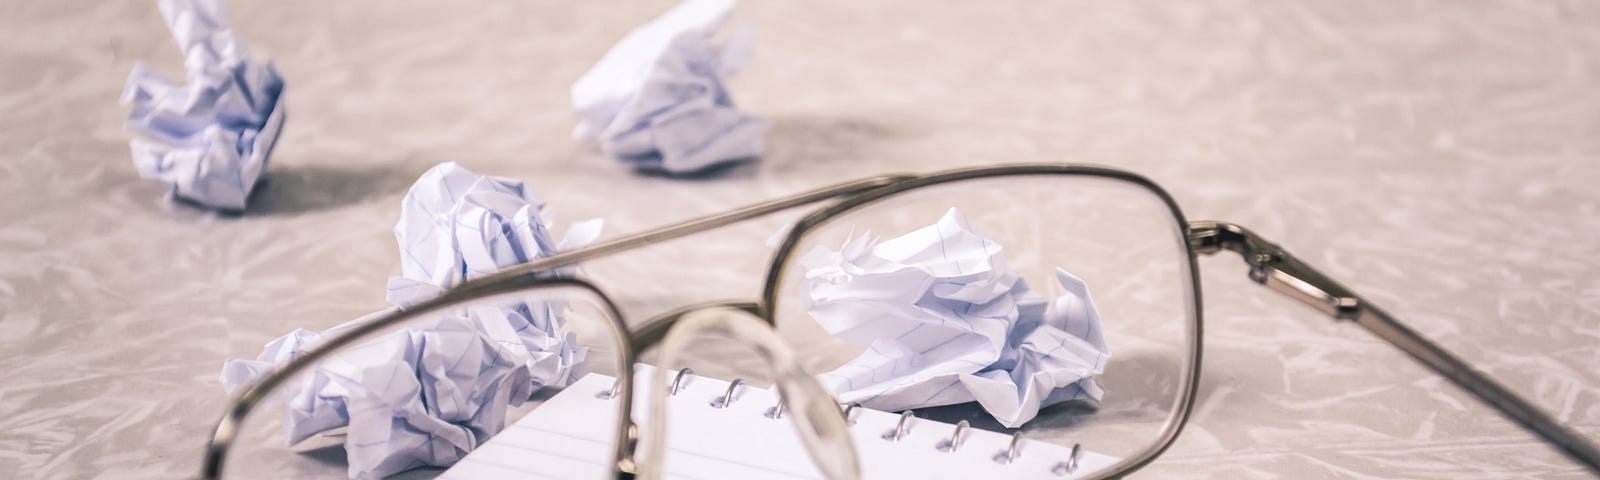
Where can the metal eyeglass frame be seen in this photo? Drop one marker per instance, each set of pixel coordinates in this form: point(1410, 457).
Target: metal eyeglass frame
point(1270, 266)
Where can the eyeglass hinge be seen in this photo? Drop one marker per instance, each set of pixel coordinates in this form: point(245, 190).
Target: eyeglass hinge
point(1274, 267)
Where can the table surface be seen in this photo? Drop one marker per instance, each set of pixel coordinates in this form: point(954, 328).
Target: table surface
point(1438, 157)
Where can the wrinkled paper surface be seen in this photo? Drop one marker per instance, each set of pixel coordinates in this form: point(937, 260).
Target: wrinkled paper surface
point(207, 139)
point(428, 395)
point(658, 100)
point(946, 322)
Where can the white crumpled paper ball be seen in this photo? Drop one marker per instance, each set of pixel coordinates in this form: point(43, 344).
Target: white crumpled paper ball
point(429, 394)
point(209, 139)
point(658, 100)
point(945, 321)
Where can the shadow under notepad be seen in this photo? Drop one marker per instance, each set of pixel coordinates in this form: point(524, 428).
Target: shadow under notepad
point(1138, 389)
point(331, 457)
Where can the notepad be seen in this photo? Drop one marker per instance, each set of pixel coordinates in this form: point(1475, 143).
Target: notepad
point(569, 437)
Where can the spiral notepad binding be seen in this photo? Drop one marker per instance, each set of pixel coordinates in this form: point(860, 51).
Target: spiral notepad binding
point(950, 445)
point(726, 430)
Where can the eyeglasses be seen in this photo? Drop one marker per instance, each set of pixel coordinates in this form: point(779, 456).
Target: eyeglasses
point(1059, 304)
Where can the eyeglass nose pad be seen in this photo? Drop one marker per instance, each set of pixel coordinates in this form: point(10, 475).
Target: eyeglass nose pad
point(631, 445)
point(808, 405)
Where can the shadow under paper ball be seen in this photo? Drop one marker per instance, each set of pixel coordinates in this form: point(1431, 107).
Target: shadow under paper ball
point(820, 142)
point(740, 168)
point(308, 188)
point(793, 143)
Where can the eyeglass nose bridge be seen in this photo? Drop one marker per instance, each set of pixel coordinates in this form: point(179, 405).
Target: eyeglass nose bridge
point(651, 332)
point(826, 436)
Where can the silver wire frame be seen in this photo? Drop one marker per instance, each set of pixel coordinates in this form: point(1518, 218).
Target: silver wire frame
point(1270, 266)
point(1190, 380)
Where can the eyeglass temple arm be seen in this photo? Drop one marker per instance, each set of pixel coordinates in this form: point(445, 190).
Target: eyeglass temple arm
point(1276, 269)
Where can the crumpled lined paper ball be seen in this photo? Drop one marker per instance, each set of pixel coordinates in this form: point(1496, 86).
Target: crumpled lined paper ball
point(424, 396)
point(945, 321)
point(209, 139)
point(429, 394)
point(658, 99)
point(456, 225)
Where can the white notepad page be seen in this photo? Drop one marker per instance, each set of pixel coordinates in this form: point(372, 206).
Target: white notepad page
point(568, 437)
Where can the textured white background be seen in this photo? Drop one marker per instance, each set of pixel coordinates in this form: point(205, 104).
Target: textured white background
point(1439, 157)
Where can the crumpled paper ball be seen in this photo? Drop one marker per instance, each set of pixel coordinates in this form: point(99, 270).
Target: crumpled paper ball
point(209, 139)
point(423, 396)
point(429, 394)
point(945, 321)
point(658, 99)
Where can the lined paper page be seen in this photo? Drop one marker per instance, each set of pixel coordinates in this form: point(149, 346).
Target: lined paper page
point(569, 437)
